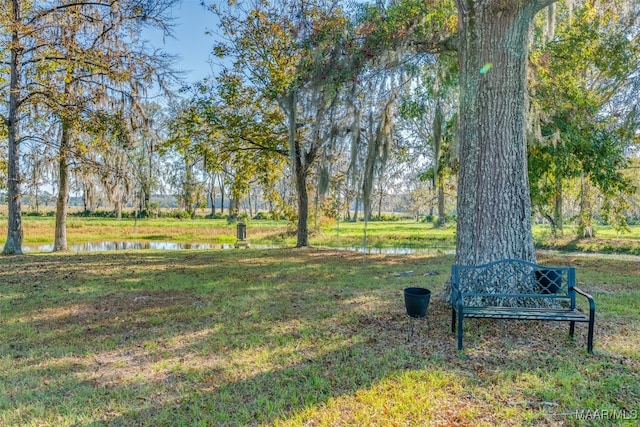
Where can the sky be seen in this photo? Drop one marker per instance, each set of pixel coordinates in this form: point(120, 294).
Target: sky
point(190, 41)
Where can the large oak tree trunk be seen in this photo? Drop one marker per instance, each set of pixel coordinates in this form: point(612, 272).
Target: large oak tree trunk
point(494, 206)
point(13, 244)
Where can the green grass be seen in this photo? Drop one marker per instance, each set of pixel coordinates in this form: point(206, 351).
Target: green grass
point(407, 234)
point(605, 240)
point(393, 234)
point(294, 337)
point(39, 230)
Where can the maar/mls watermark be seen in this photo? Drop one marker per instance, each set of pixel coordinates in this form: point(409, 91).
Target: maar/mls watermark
point(602, 414)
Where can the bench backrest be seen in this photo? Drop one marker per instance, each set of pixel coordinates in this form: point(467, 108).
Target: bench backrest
point(513, 282)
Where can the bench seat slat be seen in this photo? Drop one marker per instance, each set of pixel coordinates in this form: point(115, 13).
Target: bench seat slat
point(525, 313)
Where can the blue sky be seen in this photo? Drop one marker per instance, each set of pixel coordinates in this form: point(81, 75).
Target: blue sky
point(190, 42)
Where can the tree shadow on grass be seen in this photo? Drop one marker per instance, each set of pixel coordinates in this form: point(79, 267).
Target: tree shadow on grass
point(216, 339)
point(141, 386)
point(110, 333)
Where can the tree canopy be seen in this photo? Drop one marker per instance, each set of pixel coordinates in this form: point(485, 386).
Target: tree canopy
point(327, 108)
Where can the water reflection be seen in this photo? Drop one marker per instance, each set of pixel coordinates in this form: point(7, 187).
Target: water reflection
point(397, 251)
point(171, 246)
point(122, 246)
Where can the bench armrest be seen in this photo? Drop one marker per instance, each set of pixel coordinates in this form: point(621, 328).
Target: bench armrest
point(592, 304)
point(456, 295)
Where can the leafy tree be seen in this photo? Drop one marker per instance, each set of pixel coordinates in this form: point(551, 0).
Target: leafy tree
point(234, 133)
point(109, 135)
point(147, 138)
point(62, 54)
point(581, 129)
point(294, 54)
point(431, 113)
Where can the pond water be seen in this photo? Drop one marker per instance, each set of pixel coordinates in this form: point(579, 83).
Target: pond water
point(129, 245)
point(171, 246)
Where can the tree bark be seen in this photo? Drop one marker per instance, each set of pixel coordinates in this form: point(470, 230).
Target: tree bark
point(13, 244)
point(301, 172)
point(494, 206)
point(60, 240)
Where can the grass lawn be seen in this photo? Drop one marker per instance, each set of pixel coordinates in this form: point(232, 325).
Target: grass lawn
point(400, 234)
point(297, 337)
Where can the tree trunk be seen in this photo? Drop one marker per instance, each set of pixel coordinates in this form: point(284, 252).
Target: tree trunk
point(255, 203)
point(222, 190)
point(118, 203)
point(303, 199)
point(146, 187)
point(89, 197)
point(316, 204)
point(585, 217)
point(13, 244)
point(557, 208)
point(494, 206)
point(356, 210)
point(234, 206)
point(441, 214)
point(36, 194)
point(188, 188)
point(212, 200)
point(60, 240)
point(300, 168)
point(146, 203)
point(437, 147)
point(85, 197)
point(145, 196)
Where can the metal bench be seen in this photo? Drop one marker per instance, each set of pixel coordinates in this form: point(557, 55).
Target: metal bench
point(517, 289)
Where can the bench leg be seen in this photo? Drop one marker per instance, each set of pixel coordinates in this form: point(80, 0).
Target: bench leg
point(572, 327)
point(590, 337)
point(453, 320)
point(460, 331)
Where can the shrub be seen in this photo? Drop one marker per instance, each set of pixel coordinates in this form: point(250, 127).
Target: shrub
point(260, 215)
point(233, 218)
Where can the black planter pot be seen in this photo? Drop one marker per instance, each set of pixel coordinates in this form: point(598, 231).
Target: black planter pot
point(416, 301)
point(550, 280)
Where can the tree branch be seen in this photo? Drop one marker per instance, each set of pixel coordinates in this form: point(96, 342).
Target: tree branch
point(57, 8)
point(258, 146)
point(541, 4)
